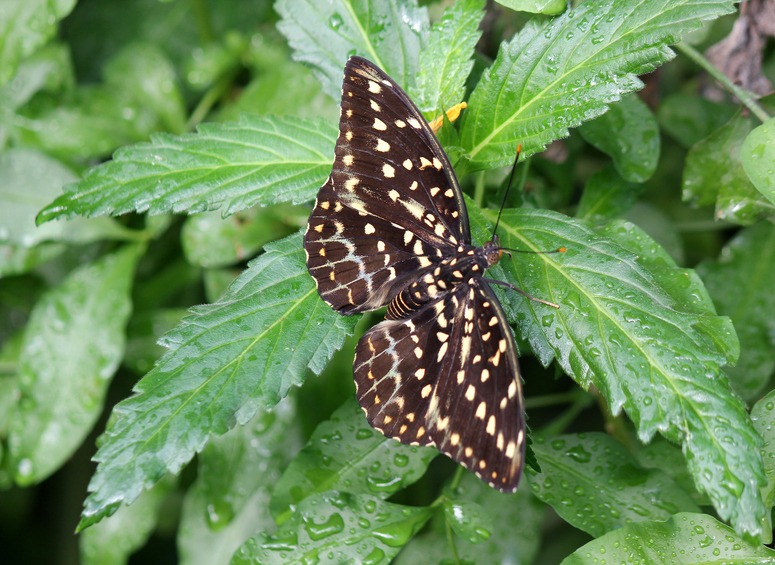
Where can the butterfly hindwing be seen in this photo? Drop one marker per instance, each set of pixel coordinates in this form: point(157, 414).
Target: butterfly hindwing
point(447, 376)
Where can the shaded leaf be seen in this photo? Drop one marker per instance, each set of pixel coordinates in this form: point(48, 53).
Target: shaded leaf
point(594, 484)
point(348, 455)
point(662, 455)
point(684, 539)
point(688, 118)
point(758, 156)
point(73, 343)
point(515, 535)
point(28, 181)
point(645, 333)
point(562, 72)
point(210, 240)
point(740, 282)
point(337, 528)
point(142, 337)
point(17, 259)
point(259, 160)
point(26, 25)
point(629, 134)
point(714, 174)
point(229, 501)
point(226, 361)
point(606, 196)
point(447, 60)
point(113, 540)
point(324, 35)
point(659, 226)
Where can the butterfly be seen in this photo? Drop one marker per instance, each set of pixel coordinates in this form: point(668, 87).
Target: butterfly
point(390, 228)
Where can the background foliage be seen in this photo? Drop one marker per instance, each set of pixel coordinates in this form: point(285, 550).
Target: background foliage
point(157, 163)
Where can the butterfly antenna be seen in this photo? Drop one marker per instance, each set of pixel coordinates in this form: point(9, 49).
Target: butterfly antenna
point(508, 188)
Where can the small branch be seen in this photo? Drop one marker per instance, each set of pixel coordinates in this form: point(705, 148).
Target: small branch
point(745, 96)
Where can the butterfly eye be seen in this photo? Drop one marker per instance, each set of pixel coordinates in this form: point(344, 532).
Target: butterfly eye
point(390, 228)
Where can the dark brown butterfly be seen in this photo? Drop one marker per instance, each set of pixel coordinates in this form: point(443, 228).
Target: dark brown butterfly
point(390, 227)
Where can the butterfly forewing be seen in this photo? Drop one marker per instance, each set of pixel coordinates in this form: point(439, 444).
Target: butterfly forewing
point(447, 376)
point(390, 226)
point(359, 262)
point(388, 162)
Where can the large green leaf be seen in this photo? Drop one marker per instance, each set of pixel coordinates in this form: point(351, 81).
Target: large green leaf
point(26, 25)
point(556, 74)
point(606, 196)
point(348, 455)
point(447, 61)
point(259, 160)
point(740, 282)
point(684, 539)
point(226, 361)
point(645, 333)
point(324, 34)
point(334, 527)
point(594, 483)
point(763, 416)
point(73, 343)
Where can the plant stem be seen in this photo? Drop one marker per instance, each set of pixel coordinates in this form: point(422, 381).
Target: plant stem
point(581, 401)
point(479, 189)
point(551, 399)
point(745, 96)
point(451, 540)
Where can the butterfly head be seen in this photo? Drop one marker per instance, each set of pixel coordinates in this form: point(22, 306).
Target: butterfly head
point(492, 251)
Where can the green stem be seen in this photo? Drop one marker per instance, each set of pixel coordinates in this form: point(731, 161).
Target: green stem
point(201, 13)
point(451, 541)
point(551, 399)
point(210, 98)
point(479, 189)
point(581, 401)
point(745, 96)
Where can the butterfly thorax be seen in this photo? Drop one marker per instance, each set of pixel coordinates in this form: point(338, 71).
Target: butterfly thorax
point(468, 262)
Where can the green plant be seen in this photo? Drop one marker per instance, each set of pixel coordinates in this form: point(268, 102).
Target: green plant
point(87, 299)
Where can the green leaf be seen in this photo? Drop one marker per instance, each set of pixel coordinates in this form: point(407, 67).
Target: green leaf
point(688, 118)
point(659, 226)
point(25, 26)
point(226, 361)
point(468, 520)
point(645, 333)
point(740, 283)
point(606, 196)
point(758, 156)
point(763, 417)
point(389, 33)
point(714, 174)
point(662, 455)
point(684, 539)
point(447, 60)
point(337, 528)
point(259, 160)
point(229, 501)
point(209, 240)
point(629, 134)
point(548, 7)
point(348, 455)
point(114, 539)
point(595, 485)
point(515, 535)
point(562, 72)
point(73, 343)
point(28, 181)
